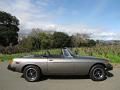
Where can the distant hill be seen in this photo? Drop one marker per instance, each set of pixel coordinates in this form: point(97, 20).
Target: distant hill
point(110, 41)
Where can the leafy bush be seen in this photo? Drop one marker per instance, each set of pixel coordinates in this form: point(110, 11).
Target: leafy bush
point(13, 50)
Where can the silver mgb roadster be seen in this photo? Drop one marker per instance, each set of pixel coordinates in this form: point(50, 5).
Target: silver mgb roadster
point(68, 63)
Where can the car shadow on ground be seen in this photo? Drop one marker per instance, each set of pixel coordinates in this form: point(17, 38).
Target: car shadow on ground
point(109, 74)
point(60, 77)
point(56, 77)
point(68, 77)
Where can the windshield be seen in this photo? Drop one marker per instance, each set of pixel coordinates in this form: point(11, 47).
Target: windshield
point(67, 52)
point(72, 53)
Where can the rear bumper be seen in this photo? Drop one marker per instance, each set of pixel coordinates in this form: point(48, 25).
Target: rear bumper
point(109, 67)
point(11, 68)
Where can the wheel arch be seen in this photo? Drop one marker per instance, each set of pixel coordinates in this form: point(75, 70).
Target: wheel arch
point(95, 65)
point(29, 65)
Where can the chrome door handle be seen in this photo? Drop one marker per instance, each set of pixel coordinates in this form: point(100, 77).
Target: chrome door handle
point(50, 60)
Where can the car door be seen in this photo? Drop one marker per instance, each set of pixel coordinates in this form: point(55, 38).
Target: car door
point(60, 66)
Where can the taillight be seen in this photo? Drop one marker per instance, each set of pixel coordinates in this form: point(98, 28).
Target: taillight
point(17, 62)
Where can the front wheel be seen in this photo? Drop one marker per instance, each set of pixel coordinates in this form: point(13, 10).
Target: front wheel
point(97, 73)
point(31, 73)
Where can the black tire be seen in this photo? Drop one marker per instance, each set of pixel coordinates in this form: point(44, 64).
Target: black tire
point(32, 73)
point(97, 73)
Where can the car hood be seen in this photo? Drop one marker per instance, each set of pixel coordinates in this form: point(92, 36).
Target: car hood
point(91, 57)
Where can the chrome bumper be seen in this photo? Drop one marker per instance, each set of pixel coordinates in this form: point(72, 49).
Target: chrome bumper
point(109, 67)
point(10, 68)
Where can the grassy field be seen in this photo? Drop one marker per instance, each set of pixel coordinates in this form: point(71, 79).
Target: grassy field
point(112, 52)
point(6, 57)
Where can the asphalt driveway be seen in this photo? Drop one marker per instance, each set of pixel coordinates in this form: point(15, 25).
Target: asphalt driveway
point(13, 81)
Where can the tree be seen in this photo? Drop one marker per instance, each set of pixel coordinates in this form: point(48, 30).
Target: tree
point(42, 39)
point(83, 40)
point(79, 39)
point(60, 39)
point(8, 29)
point(91, 42)
point(26, 42)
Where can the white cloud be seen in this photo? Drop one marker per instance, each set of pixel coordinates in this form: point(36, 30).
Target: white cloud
point(36, 15)
point(29, 12)
point(96, 33)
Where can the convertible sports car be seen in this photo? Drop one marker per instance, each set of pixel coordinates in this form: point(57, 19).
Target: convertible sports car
point(34, 66)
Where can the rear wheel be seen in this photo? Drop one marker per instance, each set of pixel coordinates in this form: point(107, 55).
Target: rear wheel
point(32, 73)
point(97, 73)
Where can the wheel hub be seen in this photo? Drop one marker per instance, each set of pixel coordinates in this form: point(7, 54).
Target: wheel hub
point(31, 73)
point(98, 73)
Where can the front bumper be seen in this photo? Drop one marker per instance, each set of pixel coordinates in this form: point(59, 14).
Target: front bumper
point(11, 68)
point(109, 67)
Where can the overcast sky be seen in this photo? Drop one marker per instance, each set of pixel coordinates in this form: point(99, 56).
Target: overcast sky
point(101, 18)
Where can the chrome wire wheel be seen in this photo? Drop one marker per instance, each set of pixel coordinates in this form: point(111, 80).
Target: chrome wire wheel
point(31, 74)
